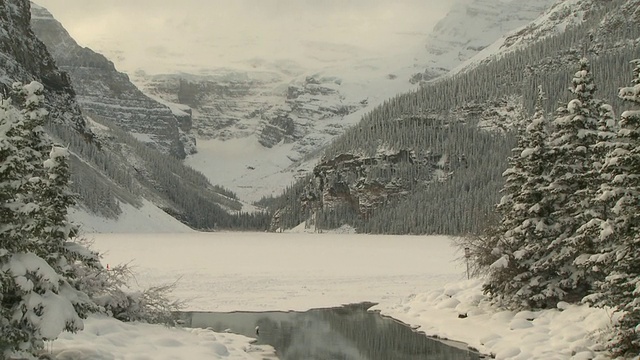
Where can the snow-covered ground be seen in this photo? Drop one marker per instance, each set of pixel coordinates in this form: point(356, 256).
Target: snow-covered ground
point(226, 271)
point(248, 166)
point(107, 339)
point(416, 279)
point(146, 219)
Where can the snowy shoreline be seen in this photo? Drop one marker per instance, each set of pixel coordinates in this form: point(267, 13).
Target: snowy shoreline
point(459, 311)
point(413, 279)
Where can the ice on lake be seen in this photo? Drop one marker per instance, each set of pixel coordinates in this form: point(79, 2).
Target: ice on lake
point(229, 271)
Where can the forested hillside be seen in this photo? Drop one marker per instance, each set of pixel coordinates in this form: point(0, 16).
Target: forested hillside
point(119, 168)
point(457, 132)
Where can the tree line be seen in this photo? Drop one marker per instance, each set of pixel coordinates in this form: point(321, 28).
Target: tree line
point(568, 223)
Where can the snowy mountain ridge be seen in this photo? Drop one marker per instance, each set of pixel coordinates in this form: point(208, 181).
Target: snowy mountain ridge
point(556, 19)
point(295, 112)
point(264, 121)
point(484, 21)
point(24, 58)
point(102, 90)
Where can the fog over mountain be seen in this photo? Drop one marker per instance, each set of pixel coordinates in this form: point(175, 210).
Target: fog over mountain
point(231, 33)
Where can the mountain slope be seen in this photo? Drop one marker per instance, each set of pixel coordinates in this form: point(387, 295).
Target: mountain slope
point(25, 58)
point(472, 25)
point(620, 17)
point(112, 171)
point(458, 117)
point(102, 90)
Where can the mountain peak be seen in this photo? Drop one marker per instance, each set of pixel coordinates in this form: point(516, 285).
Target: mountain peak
point(484, 21)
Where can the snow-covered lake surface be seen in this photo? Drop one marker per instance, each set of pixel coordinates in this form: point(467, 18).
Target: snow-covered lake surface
point(227, 271)
point(415, 279)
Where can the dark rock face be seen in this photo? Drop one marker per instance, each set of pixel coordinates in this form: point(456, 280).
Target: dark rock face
point(24, 58)
point(361, 183)
point(306, 103)
point(104, 91)
point(219, 104)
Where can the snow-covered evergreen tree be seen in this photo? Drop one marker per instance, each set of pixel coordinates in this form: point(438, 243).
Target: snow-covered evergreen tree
point(525, 227)
point(599, 208)
point(619, 238)
point(37, 296)
point(571, 189)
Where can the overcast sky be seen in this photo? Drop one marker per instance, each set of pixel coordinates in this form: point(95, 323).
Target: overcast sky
point(233, 29)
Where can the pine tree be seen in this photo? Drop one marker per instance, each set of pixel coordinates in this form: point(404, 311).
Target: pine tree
point(526, 222)
point(13, 166)
point(37, 296)
point(571, 189)
point(599, 208)
point(619, 238)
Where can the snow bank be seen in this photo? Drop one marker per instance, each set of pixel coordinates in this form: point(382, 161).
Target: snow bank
point(106, 338)
point(146, 219)
point(461, 312)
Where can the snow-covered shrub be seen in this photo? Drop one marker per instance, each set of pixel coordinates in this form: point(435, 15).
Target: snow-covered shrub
point(110, 290)
point(479, 250)
point(150, 305)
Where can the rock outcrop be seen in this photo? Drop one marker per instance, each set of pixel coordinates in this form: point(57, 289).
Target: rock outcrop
point(24, 58)
point(366, 183)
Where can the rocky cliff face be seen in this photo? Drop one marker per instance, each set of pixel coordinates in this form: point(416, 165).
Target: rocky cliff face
point(24, 58)
point(348, 179)
point(104, 91)
point(274, 106)
point(367, 183)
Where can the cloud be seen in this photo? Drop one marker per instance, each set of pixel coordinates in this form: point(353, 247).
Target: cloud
point(234, 29)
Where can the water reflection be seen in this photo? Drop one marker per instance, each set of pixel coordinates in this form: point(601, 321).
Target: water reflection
point(345, 333)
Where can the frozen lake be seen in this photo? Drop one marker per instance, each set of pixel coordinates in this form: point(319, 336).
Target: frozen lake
point(227, 271)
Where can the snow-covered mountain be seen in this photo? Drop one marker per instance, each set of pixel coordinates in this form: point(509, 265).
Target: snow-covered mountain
point(561, 15)
point(493, 95)
point(271, 121)
point(472, 25)
point(24, 58)
point(260, 122)
point(113, 173)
